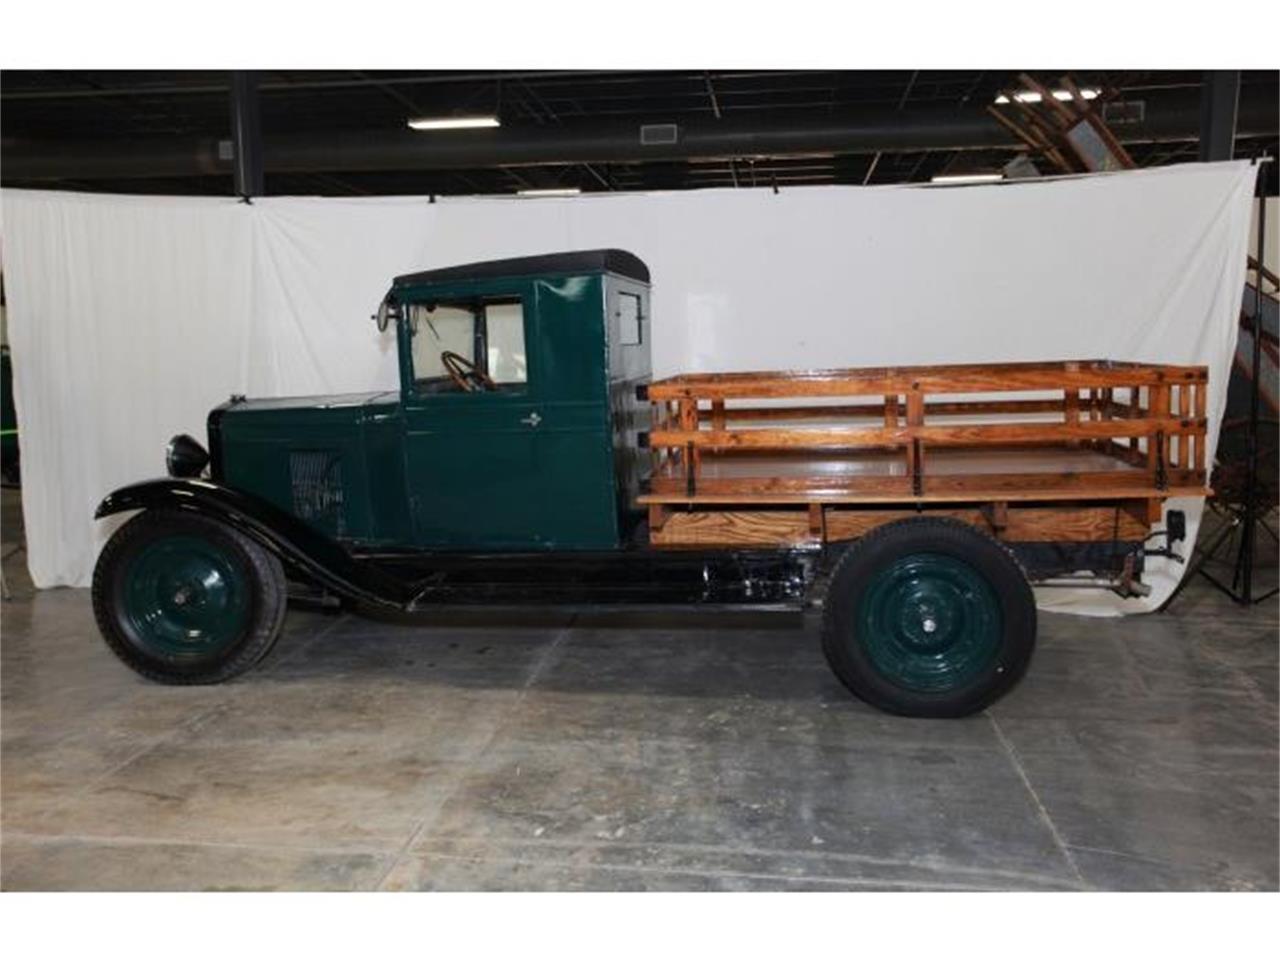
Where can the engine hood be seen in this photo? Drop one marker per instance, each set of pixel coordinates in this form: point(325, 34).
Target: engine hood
point(323, 459)
point(334, 401)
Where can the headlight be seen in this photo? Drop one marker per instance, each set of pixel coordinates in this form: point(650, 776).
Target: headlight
point(185, 457)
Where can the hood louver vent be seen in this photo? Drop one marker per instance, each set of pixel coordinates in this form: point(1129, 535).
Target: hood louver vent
point(315, 478)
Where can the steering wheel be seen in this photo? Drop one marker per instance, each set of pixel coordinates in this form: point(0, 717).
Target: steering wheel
point(465, 373)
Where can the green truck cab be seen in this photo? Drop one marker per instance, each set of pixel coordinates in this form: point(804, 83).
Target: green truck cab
point(513, 428)
point(509, 469)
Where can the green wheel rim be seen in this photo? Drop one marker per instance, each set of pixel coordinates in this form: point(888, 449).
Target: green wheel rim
point(185, 597)
point(929, 622)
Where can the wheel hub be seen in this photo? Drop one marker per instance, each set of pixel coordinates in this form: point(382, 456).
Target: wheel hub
point(186, 596)
point(929, 622)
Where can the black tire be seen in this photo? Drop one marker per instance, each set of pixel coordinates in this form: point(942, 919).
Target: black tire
point(989, 617)
point(257, 599)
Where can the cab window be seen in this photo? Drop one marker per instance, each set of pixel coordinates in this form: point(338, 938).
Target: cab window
point(471, 346)
point(629, 319)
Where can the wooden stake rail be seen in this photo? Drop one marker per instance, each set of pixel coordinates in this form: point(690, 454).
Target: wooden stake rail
point(1093, 431)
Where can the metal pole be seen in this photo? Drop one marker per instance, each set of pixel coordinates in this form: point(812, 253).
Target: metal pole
point(246, 134)
point(1219, 103)
point(1248, 534)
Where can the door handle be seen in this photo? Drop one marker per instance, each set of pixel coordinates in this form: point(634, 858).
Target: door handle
point(532, 419)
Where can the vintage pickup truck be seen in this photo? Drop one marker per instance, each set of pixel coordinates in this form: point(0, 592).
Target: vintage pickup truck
point(529, 458)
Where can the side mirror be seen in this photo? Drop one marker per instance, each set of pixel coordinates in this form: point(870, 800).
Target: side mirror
point(388, 310)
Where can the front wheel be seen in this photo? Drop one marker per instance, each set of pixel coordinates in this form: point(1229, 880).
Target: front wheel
point(929, 617)
point(184, 599)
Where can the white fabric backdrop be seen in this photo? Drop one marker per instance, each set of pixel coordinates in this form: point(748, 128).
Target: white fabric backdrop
point(130, 316)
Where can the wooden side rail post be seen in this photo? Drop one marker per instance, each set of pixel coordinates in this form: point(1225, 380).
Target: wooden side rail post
point(688, 412)
point(1071, 409)
point(1201, 389)
point(915, 446)
point(1158, 443)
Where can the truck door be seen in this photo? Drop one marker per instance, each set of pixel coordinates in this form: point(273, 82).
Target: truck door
point(471, 421)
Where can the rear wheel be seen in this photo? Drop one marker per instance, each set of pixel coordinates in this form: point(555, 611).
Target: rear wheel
point(184, 599)
point(929, 617)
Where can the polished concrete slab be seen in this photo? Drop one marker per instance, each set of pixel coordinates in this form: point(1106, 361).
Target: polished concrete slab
point(633, 753)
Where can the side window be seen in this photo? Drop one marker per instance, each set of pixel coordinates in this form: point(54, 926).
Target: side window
point(506, 354)
point(487, 334)
point(629, 319)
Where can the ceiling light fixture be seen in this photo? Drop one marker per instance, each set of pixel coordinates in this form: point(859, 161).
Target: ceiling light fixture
point(550, 192)
point(1028, 96)
point(968, 178)
point(453, 123)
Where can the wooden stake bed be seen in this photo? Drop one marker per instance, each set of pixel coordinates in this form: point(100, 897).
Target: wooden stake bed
point(1064, 451)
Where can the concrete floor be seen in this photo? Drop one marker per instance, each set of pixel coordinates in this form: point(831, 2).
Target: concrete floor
point(646, 753)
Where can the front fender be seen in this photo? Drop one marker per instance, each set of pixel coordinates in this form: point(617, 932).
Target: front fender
point(296, 544)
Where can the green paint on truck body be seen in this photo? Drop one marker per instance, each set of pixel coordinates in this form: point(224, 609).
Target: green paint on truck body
point(551, 463)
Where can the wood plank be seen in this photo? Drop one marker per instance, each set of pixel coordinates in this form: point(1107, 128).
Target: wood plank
point(948, 435)
point(826, 485)
point(781, 528)
point(688, 412)
point(1183, 458)
point(658, 515)
point(887, 411)
point(955, 378)
point(890, 411)
point(1021, 524)
point(938, 497)
point(1127, 454)
point(915, 448)
point(849, 524)
point(1201, 391)
point(1071, 408)
point(735, 528)
point(1010, 487)
point(817, 520)
point(1158, 446)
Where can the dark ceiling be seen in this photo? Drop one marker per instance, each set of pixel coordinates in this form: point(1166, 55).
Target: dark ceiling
point(162, 128)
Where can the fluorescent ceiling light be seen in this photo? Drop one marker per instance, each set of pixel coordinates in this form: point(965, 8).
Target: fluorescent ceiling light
point(550, 192)
point(453, 123)
point(1029, 97)
point(968, 178)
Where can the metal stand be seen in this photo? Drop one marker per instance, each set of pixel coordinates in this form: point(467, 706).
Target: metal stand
point(1241, 588)
point(1247, 518)
point(5, 592)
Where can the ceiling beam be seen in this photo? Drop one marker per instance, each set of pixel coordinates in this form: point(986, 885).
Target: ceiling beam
point(1171, 117)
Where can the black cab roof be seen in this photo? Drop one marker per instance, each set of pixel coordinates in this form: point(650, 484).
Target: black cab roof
point(621, 262)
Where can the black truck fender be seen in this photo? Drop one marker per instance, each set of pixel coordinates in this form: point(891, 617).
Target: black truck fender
point(302, 549)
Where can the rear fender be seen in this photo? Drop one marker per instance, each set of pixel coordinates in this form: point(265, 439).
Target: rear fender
point(298, 546)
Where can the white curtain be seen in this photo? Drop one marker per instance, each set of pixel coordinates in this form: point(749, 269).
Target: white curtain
point(131, 316)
